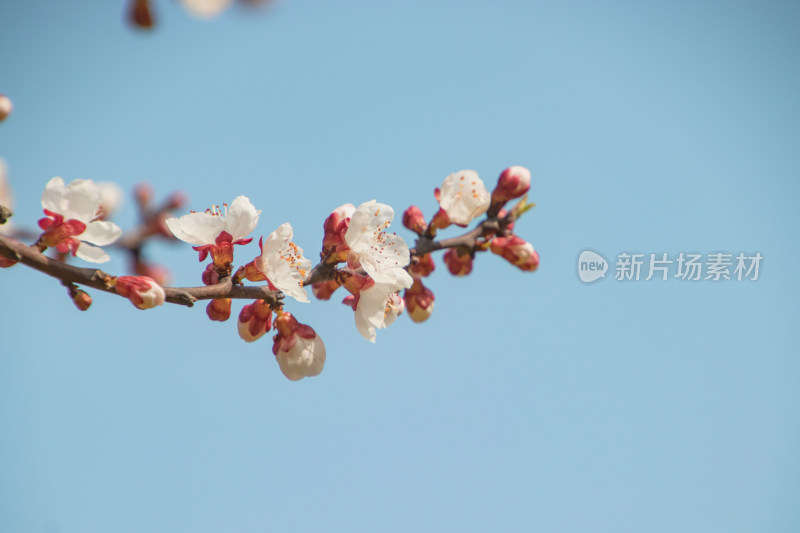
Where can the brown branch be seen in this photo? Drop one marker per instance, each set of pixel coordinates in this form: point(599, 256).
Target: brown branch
point(96, 279)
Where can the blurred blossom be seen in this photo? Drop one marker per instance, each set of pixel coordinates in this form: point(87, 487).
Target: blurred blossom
point(5, 107)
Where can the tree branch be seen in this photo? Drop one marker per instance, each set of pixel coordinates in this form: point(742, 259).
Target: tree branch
point(96, 279)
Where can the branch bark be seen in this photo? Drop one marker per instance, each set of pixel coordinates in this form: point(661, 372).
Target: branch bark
point(95, 278)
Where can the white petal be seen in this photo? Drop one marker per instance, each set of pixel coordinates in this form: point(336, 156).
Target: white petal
point(283, 263)
point(197, 228)
point(53, 195)
point(101, 232)
point(241, 218)
point(90, 253)
point(81, 200)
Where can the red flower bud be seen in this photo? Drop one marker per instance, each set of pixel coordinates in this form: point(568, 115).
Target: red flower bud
point(458, 262)
point(219, 309)
point(516, 251)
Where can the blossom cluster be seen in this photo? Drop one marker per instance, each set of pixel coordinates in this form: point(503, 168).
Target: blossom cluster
point(382, 275)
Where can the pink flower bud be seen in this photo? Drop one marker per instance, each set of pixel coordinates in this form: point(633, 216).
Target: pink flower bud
point(419, 301)
point(324, 290)
point(254, 320)
point(513, 183)
point(219, 309)
point(458, 262)
point(516, 251)
point(5, 107)
point(421, 267)
point(414, 220)
point(297, 347)
point(142, 291)
point(5, 262)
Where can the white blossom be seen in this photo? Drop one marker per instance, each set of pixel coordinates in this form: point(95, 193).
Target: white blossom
point(201, 229)
point(282, 262)
point(382, 255)
point(79, 201)
point(377, 308)
point(463, 196)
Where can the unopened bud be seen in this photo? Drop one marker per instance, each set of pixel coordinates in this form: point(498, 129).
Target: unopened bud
point(6, 107)
point(297, 347)
point(219, 309)
point(419, 301)
point(441, 220)
point(414, 220)
point(6, 262)
point(143, 292)
point(210, 275)
point(421, 267)
point(516, 251)
point(458, 261)
point(254, 320)
point(81, 299)
point(334, 247)
point(513, 183)
point(324, 290)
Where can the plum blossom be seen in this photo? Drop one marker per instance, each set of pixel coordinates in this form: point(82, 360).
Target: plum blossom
point(5, 107)
point(216, 231)
point(71, 223)
point(376, 307)
point(297, 348)
point(282, 263)
point(383, 256)
point(463, 196)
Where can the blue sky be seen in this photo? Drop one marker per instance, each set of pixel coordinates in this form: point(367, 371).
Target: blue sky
point(528, 402)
